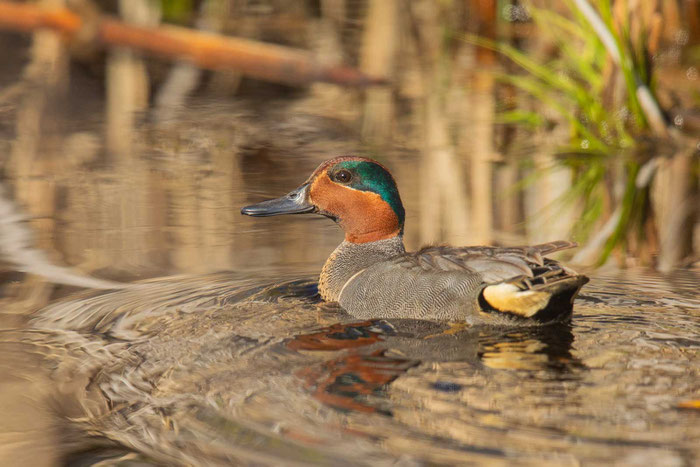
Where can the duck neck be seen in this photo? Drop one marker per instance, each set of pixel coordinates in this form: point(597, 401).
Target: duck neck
point(350, 258)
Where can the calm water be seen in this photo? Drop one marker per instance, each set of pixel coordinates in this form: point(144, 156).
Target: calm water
point(219, 351)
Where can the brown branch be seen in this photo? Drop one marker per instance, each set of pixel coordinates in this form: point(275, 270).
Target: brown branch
point(212, 51)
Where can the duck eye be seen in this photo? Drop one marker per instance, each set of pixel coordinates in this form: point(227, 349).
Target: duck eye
point(343, 176)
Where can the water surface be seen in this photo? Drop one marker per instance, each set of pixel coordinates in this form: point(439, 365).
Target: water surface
point(220, 351)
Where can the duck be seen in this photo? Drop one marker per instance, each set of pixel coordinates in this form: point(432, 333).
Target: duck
point(372, 276)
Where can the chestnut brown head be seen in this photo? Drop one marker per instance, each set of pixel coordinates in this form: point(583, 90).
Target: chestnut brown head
point(358, 193)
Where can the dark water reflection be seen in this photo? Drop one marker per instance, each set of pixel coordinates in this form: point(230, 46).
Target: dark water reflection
point(206, 367)
point(381, 351)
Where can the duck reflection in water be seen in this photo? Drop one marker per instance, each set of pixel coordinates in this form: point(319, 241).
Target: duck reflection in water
point(379, 351)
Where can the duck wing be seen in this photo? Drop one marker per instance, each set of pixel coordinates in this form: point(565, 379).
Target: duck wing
point(494, 264)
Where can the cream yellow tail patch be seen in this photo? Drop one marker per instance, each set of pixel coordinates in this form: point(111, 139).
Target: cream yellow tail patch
point(510, 298)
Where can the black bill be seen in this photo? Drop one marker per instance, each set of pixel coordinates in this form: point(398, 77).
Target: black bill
point(295, 202)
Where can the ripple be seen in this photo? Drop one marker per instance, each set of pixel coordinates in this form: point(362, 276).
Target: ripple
point(223, 368)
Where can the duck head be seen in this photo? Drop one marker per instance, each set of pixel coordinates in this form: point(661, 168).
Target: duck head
point(359, 194)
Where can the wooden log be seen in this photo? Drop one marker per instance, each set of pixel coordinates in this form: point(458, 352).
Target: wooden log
point(211, 51)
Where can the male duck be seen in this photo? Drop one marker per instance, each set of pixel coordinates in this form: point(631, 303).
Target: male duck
point(371, 275)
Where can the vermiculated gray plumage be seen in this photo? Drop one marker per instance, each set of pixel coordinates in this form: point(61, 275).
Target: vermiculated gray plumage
point(349, 258)
point(444, 283)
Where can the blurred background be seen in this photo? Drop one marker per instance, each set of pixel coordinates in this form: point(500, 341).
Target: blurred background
point(131, 132)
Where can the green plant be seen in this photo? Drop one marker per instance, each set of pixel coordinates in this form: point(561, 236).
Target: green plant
point(177, 11)
point(604, 130)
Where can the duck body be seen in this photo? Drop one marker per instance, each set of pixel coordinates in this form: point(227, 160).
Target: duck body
point(475, 285)
point(371, 275)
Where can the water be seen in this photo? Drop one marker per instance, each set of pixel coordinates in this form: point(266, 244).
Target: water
point(219, 350)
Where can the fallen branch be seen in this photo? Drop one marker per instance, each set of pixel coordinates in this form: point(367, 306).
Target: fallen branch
point(206, 50)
